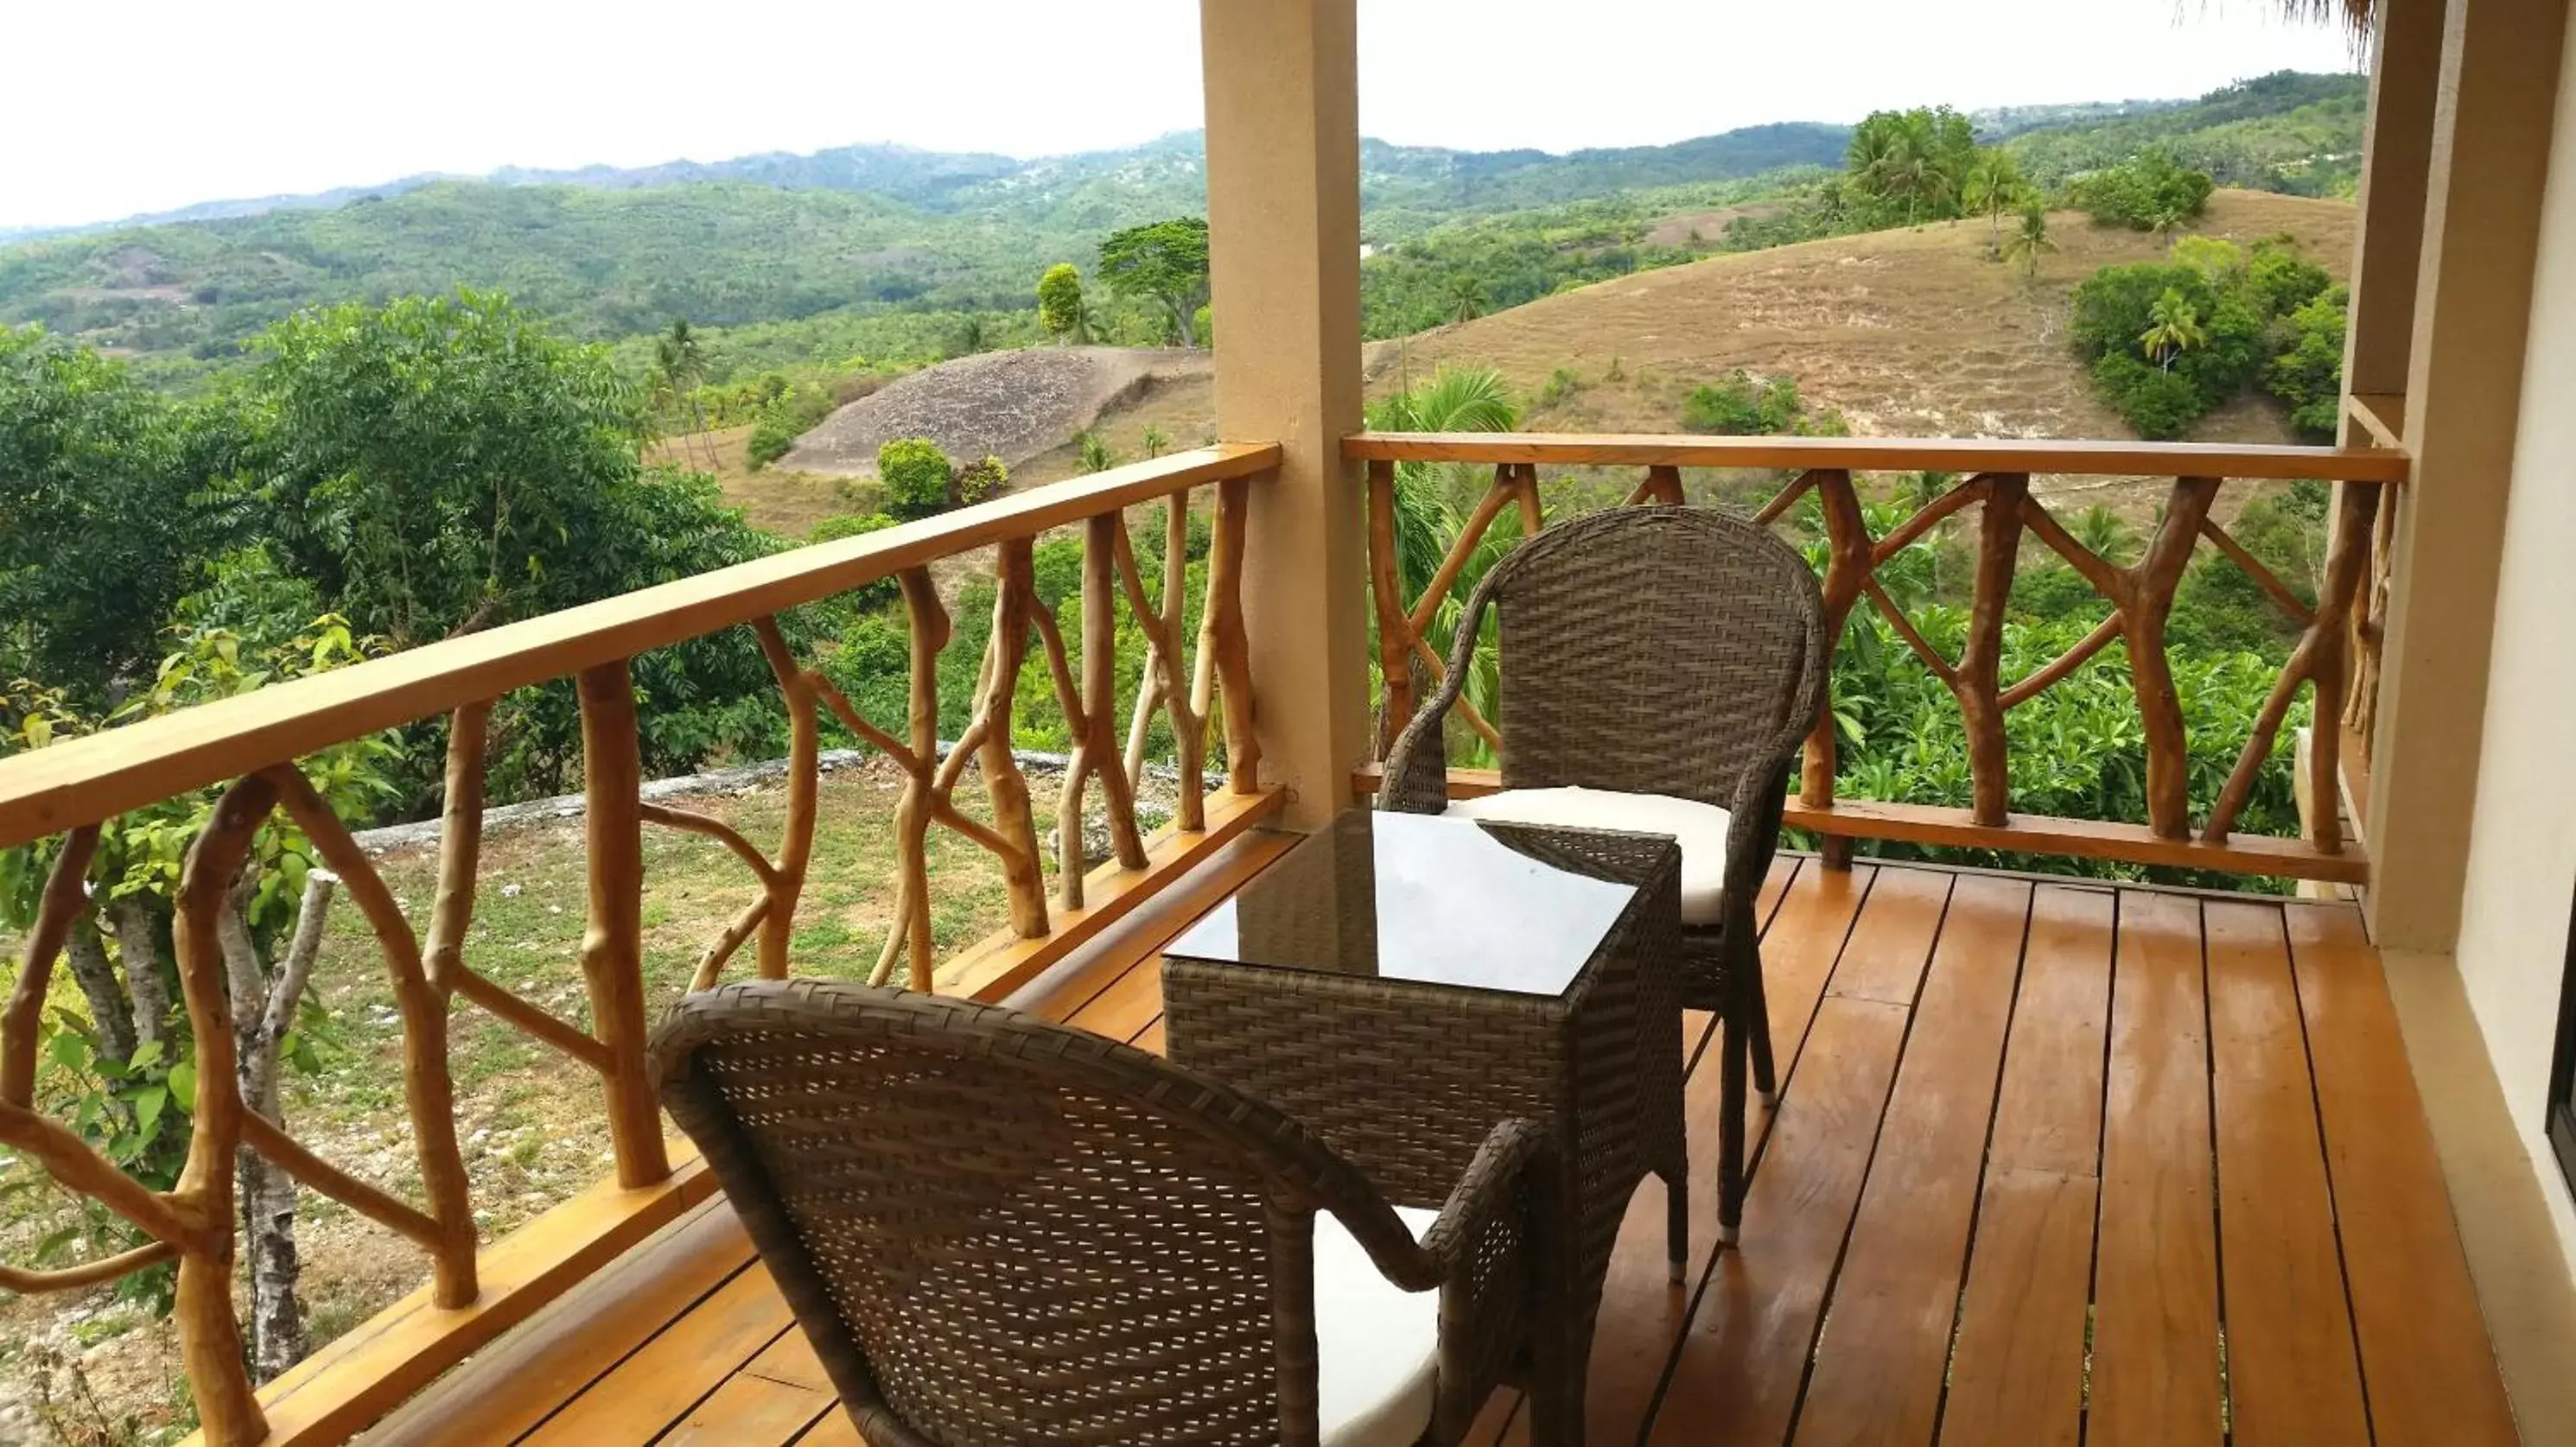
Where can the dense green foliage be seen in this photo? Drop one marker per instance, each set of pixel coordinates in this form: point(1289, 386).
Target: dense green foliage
point(1165, 262)
point(2168, 341)
point(1741, 405)
point(2147, 192)
point(2288, 132)
point(2307, 372)
point(788, 415)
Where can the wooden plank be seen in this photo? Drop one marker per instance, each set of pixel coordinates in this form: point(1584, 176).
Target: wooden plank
point(1149, 1039)
point(1178, 908)
point(1799, 949)
point(1738, 1370)
point(2258, 854)
point(2291, 1371)
point(520, 1381)
point(835, 1430)
point(2155, 1332)
point(88, 779)
point(1003, 962)
point(1885, 454)
point(332, 1394)
point(1892, 941)
point(1880, 1365)
point(2427, 1366)
point(654, 1386)
point(769, 1403)
point(2017, 1374)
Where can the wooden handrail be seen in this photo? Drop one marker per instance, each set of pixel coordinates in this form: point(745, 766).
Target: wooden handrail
point(1995, 486)
point(85, 780)
point(1888, 454)
point(249, 747)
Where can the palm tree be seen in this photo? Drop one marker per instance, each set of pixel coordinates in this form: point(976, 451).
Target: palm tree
point(1993, 185)
point(2026, 244)
point(1902, 158)
point(681, 364)
point(2174, 328)
point(1466, 298)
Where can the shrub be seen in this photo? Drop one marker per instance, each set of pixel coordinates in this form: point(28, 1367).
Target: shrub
point(919, 479)
point(1746, 406)
point(2142, 192)
point(2158, 405)
point(981, 480)
point(781, 420)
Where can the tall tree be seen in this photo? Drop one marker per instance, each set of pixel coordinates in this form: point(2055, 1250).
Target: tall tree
point(1060, 308)
point(1165, 262)
point(1466, 298)
point(1994, 185)
point(682, 365)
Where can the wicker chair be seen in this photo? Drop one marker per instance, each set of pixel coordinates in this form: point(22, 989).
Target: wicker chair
point(994, 1229)
point(1660, 667)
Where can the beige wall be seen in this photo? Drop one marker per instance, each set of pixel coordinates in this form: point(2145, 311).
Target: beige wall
point(2522, 851)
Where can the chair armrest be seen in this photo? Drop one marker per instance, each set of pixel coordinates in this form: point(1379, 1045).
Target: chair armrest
point(1486, 1196)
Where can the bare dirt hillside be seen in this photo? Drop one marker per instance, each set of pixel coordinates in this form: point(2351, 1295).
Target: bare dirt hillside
point(1914, 332)
point(1011, 405)
point(1906, 332)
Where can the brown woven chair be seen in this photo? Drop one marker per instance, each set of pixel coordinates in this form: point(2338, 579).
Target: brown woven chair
point(997, 1230)
point(1659, 665)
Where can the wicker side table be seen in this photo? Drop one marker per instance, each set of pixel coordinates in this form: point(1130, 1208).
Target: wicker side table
point(1400, 983)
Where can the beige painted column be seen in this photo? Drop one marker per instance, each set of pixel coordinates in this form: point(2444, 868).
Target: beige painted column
point(2396, 157)
point(2497, 89)
point(1283, 153)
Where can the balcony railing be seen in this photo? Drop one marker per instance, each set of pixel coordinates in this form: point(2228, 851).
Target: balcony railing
point(247, 746)
point(1996, 492)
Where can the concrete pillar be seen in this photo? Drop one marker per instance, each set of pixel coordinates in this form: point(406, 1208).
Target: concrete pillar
point(2388, 245)
point(2493, 107)
point(1283, 156)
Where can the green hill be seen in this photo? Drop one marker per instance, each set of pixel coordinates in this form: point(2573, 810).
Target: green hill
point(885, 253)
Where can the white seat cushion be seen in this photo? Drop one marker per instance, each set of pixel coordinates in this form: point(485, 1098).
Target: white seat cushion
point(1699, 828)
point(1377, 1345)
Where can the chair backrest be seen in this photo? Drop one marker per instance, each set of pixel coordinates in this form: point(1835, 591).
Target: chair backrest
point(1659, 650)
point(995, 1229)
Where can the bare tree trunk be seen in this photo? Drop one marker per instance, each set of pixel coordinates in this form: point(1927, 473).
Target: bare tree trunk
point(264, 1003)
point(86, 952)
point(140, 941)
point(1183, 313)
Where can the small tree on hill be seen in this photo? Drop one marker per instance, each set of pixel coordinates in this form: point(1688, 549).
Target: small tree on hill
point(2025, 245)
point(919, 479)
point(2173, 328)
point(1466, 298)
point(1165, 262)
point(1060, 308)
point(679, 365)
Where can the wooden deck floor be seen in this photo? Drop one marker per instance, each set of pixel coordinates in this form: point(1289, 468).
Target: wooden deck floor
point(2055, 1163)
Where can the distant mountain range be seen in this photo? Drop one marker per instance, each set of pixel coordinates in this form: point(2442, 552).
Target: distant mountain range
point(942, 181)
point(889, 232)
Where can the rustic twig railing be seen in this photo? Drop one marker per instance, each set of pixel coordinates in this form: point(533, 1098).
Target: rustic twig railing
point(248, 745)
point(1997, 487)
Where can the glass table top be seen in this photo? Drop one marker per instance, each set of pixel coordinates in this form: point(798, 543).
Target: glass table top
point(1462, 902)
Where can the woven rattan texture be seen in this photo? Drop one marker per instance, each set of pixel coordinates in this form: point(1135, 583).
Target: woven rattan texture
point(997, 1230)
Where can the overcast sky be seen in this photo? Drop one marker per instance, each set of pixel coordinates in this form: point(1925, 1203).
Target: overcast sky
point(152, 104)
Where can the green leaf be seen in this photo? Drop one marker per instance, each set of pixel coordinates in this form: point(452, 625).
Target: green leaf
point(146, 1054)
point(68, 1050)
point(148, 1104)
point(183, 1085)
